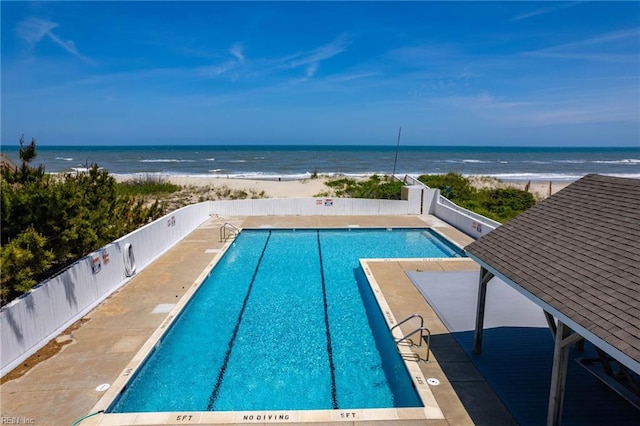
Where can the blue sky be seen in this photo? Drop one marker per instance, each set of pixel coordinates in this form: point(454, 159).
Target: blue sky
point(449, 73)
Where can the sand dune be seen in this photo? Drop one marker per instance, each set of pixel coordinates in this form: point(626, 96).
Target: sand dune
point(204, 188)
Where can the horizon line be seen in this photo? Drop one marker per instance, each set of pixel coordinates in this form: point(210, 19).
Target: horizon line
point(17, 146)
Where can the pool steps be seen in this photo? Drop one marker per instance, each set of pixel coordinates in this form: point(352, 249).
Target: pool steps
point(406, 340)
point(228, 231)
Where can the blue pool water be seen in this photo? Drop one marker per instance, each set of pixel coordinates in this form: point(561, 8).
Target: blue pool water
point(284, 322)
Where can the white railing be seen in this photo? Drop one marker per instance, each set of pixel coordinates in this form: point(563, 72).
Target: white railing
point(321, 206)
point(31, 321)
point(471, 223)
point(410, 180)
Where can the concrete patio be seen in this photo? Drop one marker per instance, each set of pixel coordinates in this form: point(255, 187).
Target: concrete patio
point(62, 389)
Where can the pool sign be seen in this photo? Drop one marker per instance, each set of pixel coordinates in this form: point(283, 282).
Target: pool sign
point(96, 263)
point(105, 257)
point(262, 417)
point(328, 202)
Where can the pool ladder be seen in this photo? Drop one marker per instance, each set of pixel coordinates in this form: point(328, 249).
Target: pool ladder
point(227, 231)
point(407, 340)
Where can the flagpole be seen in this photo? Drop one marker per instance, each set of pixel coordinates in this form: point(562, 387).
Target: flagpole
point(397, 148)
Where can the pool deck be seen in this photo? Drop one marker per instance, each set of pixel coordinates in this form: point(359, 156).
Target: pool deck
point(62, 389)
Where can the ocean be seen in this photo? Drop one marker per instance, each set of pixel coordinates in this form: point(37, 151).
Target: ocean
point(297, 162)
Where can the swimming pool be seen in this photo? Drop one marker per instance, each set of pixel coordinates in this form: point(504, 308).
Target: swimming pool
point(280, 324)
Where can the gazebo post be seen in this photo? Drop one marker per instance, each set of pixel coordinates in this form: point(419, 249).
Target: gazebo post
point(485, 277)
point(563, 340)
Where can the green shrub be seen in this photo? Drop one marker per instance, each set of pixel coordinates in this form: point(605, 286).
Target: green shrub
point(50, 221)
point(452, 185)
point(499, 204)
point(147, 185)
point(375, 187)
point(23, 258)
point(505, 203)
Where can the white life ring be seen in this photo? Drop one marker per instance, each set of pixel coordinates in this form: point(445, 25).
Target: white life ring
point(129, 260)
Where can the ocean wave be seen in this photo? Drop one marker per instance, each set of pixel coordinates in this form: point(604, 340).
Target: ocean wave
point(167, 160)
point(64, 158)
point(629, 161)
point(536, 176)
point(83, 169)
point(558, 177)
point(464, 161)
point(222, 174)
point(211, 159)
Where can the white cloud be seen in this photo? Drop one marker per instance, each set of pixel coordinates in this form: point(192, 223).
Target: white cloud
point(318, 54)
point(594, 107)
point(311, 69)
point(215, 70)
point(595, 48)
point(33, 30)
point(632, 33)
point(236, 51)
point(350, 76)
point(543, 11)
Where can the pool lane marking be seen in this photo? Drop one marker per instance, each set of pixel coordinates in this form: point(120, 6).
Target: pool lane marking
point(332, 368)
point(216, 389)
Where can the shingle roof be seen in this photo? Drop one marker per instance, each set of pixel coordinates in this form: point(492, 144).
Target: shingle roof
point(578, 251)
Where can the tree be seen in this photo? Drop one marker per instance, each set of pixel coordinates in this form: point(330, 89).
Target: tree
point(27, 153)
point(50, 221)
point(23, 258)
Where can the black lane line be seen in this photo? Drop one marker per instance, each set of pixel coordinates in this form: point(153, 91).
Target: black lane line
point(332, 368)
point(216, 389)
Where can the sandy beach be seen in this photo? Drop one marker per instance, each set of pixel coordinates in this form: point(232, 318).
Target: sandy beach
point(270, 188)
point(539, 189)
point(195, 189)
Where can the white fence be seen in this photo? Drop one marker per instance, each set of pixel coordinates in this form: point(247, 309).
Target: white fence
point(31, 321)
point(326, 206)
point(471, 223)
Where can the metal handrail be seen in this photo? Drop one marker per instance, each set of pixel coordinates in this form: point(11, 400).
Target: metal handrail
point(421, 330)
point(407, 337)
point(223, 231)
point(407, 319)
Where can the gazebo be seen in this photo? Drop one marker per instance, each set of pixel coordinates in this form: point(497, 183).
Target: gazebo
point(576, 255)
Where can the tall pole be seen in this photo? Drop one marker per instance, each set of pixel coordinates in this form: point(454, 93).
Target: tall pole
point(397, 148)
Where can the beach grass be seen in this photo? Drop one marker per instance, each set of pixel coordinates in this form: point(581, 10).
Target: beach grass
point(147, 185)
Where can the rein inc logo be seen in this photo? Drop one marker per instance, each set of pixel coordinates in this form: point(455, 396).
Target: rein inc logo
point(9, 420)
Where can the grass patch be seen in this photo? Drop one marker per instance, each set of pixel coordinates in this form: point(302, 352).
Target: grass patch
point(376, 187)
point(147, 185)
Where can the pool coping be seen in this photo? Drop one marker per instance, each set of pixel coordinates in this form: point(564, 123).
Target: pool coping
point(132, 366)
point(429, 411)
